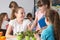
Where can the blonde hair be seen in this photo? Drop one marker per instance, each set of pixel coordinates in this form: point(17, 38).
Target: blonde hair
point(13, 13)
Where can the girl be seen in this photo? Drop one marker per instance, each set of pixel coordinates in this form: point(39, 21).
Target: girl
point(29, 16)
point(44, 6)
point(52, 32)
point(19, 24)
point(3, 20)
point(13, 5)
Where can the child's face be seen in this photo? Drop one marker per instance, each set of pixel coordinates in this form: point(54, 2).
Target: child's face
point(30, 18)
point(43, 8)
point(20, 14)
point(13, 6)
point(6, 17)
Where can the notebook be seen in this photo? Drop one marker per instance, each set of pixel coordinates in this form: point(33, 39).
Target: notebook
point(42, 22)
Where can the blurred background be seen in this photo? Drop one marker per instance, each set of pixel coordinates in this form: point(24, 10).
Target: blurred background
point(28, 5)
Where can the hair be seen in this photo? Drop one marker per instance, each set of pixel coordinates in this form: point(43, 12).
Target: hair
point(16, 11)
point(15, 7)
point(43, 2)
point(13, 13)
point(54, 19)
point(29, 15)
point(2, 15)
point(13, 2)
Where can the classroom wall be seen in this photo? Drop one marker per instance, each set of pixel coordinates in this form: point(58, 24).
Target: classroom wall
point(4, 6)
point(28, 5)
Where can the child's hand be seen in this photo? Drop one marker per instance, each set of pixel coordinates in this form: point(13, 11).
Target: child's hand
point(37, 36)
point(38, 31)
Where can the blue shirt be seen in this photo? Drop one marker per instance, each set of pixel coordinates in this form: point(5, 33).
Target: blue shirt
point(48, 33)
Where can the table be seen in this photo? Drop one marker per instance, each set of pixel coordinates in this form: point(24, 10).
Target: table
point(15, 39)
point(11, 39)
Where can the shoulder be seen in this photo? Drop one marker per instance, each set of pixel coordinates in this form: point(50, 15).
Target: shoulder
point(5, 22)
point(48, 31)
point(37, 11)
point(43, 35)
point(27, 21)
point(12, 22)
point(44, 32)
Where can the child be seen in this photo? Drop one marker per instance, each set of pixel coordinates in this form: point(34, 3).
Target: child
point(19, 24)
point(29, 16)
point(3, 20)
point(44, 6)
point(13, 5)
point(52, 32)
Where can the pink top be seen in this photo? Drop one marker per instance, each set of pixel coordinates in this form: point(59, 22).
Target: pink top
point(39, 15)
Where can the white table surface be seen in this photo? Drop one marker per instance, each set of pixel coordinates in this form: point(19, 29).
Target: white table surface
point(11, 39)
point(15, 39)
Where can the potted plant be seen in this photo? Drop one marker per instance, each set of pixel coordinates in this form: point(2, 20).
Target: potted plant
point(20, 36)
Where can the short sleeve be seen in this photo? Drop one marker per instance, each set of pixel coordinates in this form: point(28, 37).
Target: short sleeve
point(36, 13)
point(11, 23)
point(43, 35)
point(28, 22)
point(4, 24)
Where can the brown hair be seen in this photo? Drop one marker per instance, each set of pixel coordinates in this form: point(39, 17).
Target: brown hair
point(43, 2)
point(13, 2)
point(2, 15)
point(54, 19)
point(16, 11)
point(29, 15)
point(13, 13)
point(15, 7)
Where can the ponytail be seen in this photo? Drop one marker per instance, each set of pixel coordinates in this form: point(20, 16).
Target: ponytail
point(15, 11)
point(54, 19)
point(13, 15)
point(57, 26)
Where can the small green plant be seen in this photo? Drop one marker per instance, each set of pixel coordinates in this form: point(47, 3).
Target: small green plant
point(20, 36)
point(26, 35)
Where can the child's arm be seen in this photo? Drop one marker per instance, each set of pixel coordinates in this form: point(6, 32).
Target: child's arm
point(34, 23)
point(9, 30)
point(29, 27)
